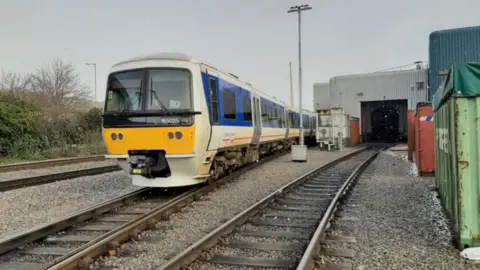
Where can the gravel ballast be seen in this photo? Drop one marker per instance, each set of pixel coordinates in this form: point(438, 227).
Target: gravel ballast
point(202, 217)
point(51, 170)
point(401, 224)
point(24, 208)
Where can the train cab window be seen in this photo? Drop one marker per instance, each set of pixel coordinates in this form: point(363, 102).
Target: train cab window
point(124, 91)
point(247, 109)
point(169, 89)
point(214, 99)
point(229, 109)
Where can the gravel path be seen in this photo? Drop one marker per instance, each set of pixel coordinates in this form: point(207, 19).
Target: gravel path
point(58, 169)
point(24, 208)
point(203, 216)
point(401, 223)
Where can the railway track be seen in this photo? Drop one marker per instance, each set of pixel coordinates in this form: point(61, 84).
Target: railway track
point(44, 179)
point(49, 163)
point(285, 229)
point(75, 241)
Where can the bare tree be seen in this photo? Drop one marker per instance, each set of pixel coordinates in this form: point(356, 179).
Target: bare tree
point(15, 82)
point(60, 83)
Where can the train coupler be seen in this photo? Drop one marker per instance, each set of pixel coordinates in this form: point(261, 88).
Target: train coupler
point(149, 163)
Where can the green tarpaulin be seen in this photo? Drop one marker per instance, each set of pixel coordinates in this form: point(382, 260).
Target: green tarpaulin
point(463, 80)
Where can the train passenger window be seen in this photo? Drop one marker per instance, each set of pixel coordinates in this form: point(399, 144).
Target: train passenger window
point(276, 116)
point(229, 109)
point(247, 109)
point(214, 99)
point(305, 123)
point(264, 113)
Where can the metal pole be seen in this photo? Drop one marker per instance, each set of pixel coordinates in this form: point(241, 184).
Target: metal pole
point(300, 72)
point(299, 10)
point(95, 77)
point(291, 85)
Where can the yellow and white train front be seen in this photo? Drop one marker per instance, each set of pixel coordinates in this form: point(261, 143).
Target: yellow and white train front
point(152, 113)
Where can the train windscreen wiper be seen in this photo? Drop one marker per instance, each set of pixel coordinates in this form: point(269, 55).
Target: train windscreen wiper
point(154, 94)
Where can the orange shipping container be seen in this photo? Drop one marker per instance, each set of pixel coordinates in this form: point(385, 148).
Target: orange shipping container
point(424, 140)
point(354, 131)
point(411, 134)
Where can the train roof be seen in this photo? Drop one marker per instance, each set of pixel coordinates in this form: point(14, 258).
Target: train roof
point(185, 57)
point(161, 56)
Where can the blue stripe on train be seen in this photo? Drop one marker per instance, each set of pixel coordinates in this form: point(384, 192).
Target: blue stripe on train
point(239, 94)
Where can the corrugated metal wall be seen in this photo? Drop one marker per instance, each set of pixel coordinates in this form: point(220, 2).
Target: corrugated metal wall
point(348, 91)
point(448, 47)
point(321, 96)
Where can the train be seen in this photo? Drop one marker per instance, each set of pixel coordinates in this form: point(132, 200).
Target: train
point(171, 120)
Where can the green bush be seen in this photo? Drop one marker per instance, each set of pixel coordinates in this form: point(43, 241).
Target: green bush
point(26, 134)
point(91, 121)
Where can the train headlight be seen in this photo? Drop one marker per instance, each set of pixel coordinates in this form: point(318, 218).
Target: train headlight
point(170, 135)
point(114, 136)
point(120, 136)
point(178, 134)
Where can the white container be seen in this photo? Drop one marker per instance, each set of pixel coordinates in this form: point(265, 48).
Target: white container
point(299, 153)
point(333, 125)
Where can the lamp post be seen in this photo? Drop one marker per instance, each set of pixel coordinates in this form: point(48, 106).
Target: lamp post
point(95, 79)
point(291, 86)
point(299, 153)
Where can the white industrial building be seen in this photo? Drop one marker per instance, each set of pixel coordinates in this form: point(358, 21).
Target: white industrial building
point(363, 95)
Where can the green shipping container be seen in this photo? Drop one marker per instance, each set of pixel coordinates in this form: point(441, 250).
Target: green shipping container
point(456, 106)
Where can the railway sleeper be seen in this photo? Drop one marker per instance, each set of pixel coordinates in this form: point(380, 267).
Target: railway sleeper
point(272, 231)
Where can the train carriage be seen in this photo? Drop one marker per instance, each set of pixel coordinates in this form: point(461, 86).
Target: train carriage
point(171, 120)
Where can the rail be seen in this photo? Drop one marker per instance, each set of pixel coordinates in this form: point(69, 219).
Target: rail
point(307, 259)
point(127, 228)
point(49, 163)
point(201, 247)
point(48, 178)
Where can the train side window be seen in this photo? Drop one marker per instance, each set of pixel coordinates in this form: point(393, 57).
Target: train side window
point(279, 117)
point(305, 122)
point(247, 109)
point(229, 109)
point(214, 99)
point(264, 113)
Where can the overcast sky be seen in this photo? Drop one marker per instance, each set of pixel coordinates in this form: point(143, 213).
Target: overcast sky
point(253, 39)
